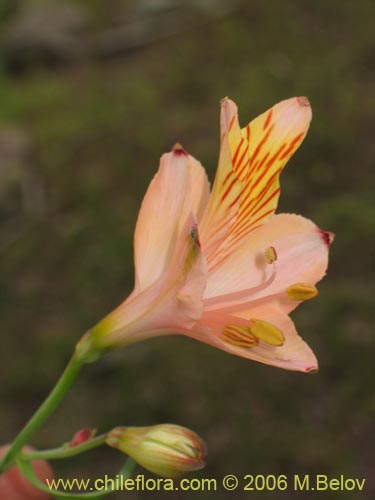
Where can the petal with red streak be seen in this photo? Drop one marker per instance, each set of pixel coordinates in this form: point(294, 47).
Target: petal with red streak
point(302, 256)
point(272, 138)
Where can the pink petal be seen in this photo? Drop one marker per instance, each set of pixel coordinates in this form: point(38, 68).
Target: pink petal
point(295, 354)
point(171, 304)
point(302, 256)
point(179, 188)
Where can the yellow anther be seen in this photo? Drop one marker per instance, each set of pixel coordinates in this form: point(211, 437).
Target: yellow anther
point(239, 335)
point(267, 332)
point(301, 291)
point(270, 255)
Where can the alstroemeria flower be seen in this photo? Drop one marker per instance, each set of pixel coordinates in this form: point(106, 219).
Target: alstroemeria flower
point(220, 267)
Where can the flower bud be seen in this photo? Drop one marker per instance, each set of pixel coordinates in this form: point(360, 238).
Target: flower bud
point(81, 437)
point(166, 450)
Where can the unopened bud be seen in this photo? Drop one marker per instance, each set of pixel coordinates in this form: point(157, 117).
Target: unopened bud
point(81, 437)
point(166, 450)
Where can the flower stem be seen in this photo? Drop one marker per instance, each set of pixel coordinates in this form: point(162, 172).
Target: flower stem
point(128, 468)
point(64, 451)
point(40, 416)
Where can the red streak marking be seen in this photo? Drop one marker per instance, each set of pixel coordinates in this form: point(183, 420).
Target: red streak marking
point(234, 159)
point(244, 224)
point(222, 226)
point(228, 189)
point(243, 168)
point(235, 200)
point(277, 190)
point(241, 160)
point(227, 251)
point(248, 133)
point(261, 143)
point(268, 119)
point(248, 209)
point(269, 183)
point(262, 161)
point(231, 123)
point(271, 162)
point(261, 176)
point(292, 145)
point(254, 167)
point(262, 216)
point(274, 157)
point(245, 206)
point(228, 176)
point(247, 229)
point(260, 195)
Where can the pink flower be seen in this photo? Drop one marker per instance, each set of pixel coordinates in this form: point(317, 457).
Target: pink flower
point(221, 267)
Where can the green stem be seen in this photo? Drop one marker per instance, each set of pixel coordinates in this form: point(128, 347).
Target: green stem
point(26, 469)
point(64, 451)
point(128, 468)
point(40, 416)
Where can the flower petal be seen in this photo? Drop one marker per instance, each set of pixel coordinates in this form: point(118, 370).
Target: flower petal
point(225, 197)
point(171, 304)
point(179, 188)
point(302, 256)
point(294, 354)
point(272, 139)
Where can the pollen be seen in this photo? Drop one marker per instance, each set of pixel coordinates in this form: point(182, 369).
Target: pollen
point(301, 291)
point(267, 332)
point(270, 255)
point(240, 336)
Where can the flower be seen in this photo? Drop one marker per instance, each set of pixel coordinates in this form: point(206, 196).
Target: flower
point(221, 267)
point(166, 450)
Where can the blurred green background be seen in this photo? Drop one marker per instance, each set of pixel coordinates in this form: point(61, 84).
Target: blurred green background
point(91, 94)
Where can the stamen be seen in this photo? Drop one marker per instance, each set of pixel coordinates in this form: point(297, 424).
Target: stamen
point(270, 255)
point(194, 235)
point(192, 251)
point(301, 291)
point(267, 332)
point(240, 336)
